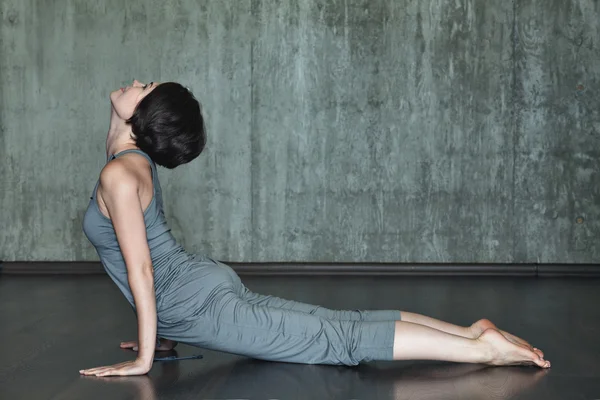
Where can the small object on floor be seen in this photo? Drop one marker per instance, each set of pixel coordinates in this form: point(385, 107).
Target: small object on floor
point(173, 358)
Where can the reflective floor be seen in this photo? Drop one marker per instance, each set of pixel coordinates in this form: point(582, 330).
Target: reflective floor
point(51, 327)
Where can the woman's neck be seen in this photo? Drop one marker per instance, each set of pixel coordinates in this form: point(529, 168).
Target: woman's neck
point(119, 135)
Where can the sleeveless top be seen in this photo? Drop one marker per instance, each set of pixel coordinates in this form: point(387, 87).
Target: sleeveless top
point(166, 254)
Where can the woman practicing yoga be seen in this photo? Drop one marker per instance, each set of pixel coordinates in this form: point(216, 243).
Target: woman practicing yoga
point(193, 299)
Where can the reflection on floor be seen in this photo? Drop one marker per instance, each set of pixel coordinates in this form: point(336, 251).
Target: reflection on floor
point(51, 327)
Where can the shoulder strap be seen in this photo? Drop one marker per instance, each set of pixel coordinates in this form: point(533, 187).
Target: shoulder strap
point(152, 163)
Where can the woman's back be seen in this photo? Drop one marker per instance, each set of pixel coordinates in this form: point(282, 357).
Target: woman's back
point(167, 255)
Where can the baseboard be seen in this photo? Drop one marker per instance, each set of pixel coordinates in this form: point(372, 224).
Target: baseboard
point(344, 269)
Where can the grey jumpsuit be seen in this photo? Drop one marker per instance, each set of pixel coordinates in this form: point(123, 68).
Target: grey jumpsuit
point(202, 302)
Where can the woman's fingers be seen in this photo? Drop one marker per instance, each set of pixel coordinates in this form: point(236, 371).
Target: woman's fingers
point(109, 372)
point(136, 367)
point(97, 370)
point(133, 345)
point(92, 371)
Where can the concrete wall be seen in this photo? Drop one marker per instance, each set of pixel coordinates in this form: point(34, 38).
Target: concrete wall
point(373, 130)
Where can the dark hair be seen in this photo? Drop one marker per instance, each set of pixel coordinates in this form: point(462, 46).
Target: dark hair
point(168, 125)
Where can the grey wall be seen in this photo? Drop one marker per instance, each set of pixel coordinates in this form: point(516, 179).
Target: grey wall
point(374, 130)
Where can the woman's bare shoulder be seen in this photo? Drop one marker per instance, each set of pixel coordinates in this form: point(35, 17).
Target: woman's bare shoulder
point(118, 173)
point(131, 166)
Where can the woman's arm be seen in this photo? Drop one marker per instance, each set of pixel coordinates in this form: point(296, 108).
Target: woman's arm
point(120, 194)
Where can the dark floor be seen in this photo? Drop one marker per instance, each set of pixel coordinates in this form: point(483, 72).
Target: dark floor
point(51, 327)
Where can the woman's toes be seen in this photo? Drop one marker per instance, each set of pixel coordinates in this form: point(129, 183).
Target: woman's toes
point(539, 362)
point(542, 363)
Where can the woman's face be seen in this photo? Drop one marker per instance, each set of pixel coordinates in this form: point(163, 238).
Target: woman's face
point(125, 99)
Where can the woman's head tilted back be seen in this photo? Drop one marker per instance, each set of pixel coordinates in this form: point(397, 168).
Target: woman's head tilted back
point(167, 122)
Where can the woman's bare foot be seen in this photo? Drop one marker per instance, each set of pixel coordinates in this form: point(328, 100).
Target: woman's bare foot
point(501, 351)
point(480, 326)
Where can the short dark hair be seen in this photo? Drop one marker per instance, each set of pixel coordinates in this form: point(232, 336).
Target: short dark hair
point(168, 125)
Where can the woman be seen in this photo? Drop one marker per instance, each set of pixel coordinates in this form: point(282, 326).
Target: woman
point(194, 299)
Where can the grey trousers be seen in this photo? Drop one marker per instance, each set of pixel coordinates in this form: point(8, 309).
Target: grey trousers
point(209, 307)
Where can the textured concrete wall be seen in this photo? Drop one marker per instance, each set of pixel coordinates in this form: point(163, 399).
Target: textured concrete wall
point(373, 130)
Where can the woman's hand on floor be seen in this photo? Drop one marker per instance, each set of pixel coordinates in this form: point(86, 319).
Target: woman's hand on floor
point(136, 367)
point(165, 345)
